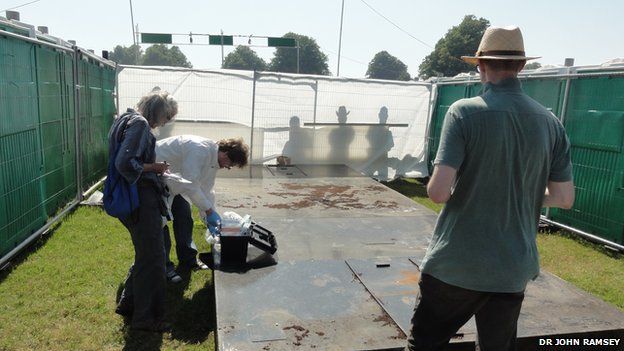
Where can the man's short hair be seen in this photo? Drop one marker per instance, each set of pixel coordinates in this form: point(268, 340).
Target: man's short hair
point(503, 65)
point(236, 151)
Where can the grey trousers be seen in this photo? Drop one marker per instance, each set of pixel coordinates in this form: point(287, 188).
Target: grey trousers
point(442, 309)
point(145, 285)
point(183, 233)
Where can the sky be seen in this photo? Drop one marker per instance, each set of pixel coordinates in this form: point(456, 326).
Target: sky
point(588, 31)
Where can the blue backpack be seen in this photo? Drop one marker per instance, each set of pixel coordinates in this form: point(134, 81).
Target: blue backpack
point(120, 197)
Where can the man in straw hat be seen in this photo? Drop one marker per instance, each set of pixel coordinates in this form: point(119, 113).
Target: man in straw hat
point(502, 157)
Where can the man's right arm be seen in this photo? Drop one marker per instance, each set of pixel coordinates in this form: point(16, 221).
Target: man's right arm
point(439, 188)
point(559, 194)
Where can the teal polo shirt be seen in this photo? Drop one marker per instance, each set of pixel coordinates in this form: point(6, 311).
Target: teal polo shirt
point(505, 147)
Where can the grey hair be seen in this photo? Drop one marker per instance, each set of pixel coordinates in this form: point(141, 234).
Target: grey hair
point(157, 106)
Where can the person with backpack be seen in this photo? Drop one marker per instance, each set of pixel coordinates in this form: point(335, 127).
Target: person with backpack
point(133, 156)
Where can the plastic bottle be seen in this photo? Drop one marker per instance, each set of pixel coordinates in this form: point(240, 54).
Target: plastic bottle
point(216, 252)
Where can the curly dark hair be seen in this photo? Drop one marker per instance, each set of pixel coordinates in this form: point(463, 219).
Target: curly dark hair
point(236, 150)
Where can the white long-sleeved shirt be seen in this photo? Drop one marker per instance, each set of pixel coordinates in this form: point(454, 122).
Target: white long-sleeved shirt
point(195, 159)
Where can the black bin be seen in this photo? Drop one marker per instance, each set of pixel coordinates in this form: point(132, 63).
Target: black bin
point(234, 249)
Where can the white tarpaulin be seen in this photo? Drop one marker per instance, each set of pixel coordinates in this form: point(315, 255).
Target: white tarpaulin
point(376, 127)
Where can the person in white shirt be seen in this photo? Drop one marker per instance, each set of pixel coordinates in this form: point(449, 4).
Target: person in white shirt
point(197, 160)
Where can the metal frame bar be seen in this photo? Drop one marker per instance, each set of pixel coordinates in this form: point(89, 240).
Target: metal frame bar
point(433, 97)
point(253, 111)
point(77, 125)
point(182, 69)
point(41, 231)
point(35, 41)
point(403, 125)
point(96, 57)
point(583, 234)
point(341, 79)
point(606, 73)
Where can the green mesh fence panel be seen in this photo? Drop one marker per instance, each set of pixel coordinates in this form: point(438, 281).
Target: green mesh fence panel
point(38, 134)
point(21, 210)
point(447, 95)
point(595, 124)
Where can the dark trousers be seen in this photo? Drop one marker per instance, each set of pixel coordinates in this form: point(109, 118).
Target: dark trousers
point(442, 309)
point(145, 285)
point(183, 233)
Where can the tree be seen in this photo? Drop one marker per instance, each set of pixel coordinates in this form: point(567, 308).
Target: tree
point(244, 58)
point(459, 40)
point(311, 59)
point(160, 55)
point(385, 66)
point(130, 55)
point(532, 65)
point(155, 55)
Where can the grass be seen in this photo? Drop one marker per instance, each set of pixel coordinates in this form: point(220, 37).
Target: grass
point(588, 266)
point(60, 294)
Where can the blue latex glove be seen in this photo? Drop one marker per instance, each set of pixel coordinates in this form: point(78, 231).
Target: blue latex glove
point(213, 222)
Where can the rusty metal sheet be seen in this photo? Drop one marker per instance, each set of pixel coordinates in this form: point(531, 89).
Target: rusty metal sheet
point(317, 197)
point(306, 297)
point(553, 306)
point(340, 238)
point(393, 282)
point(317, 304)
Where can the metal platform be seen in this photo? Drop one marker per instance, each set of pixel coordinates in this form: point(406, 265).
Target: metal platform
point(345, 274)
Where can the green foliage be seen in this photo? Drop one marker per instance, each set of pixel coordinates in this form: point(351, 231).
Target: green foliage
point(588, 266)
point(60, 294)
point(415, 190)
point(385, 66)
point(459, 40)
point(244, 58)
point(311, 59)
point(155, 55)
point(161, 55)
point(532, 65)
point(130, 55)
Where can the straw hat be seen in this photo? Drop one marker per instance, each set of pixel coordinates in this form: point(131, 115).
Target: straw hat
point(500, 44)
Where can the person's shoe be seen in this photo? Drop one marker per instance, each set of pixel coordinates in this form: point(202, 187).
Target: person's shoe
point(173, 277)
point(160, 327)
point(198, 265)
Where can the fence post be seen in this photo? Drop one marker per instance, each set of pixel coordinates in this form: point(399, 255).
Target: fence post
point(433, 100)
point(77, 124)
point(314, 151)
point(253, 111)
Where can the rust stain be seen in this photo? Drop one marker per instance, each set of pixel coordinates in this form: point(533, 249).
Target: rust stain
point(327, 196)
point(280, 206)
point(385, 318)
point(295, 327)
point(300, 333)
point(231, 206)
point(409, 277)
point(378, 188)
